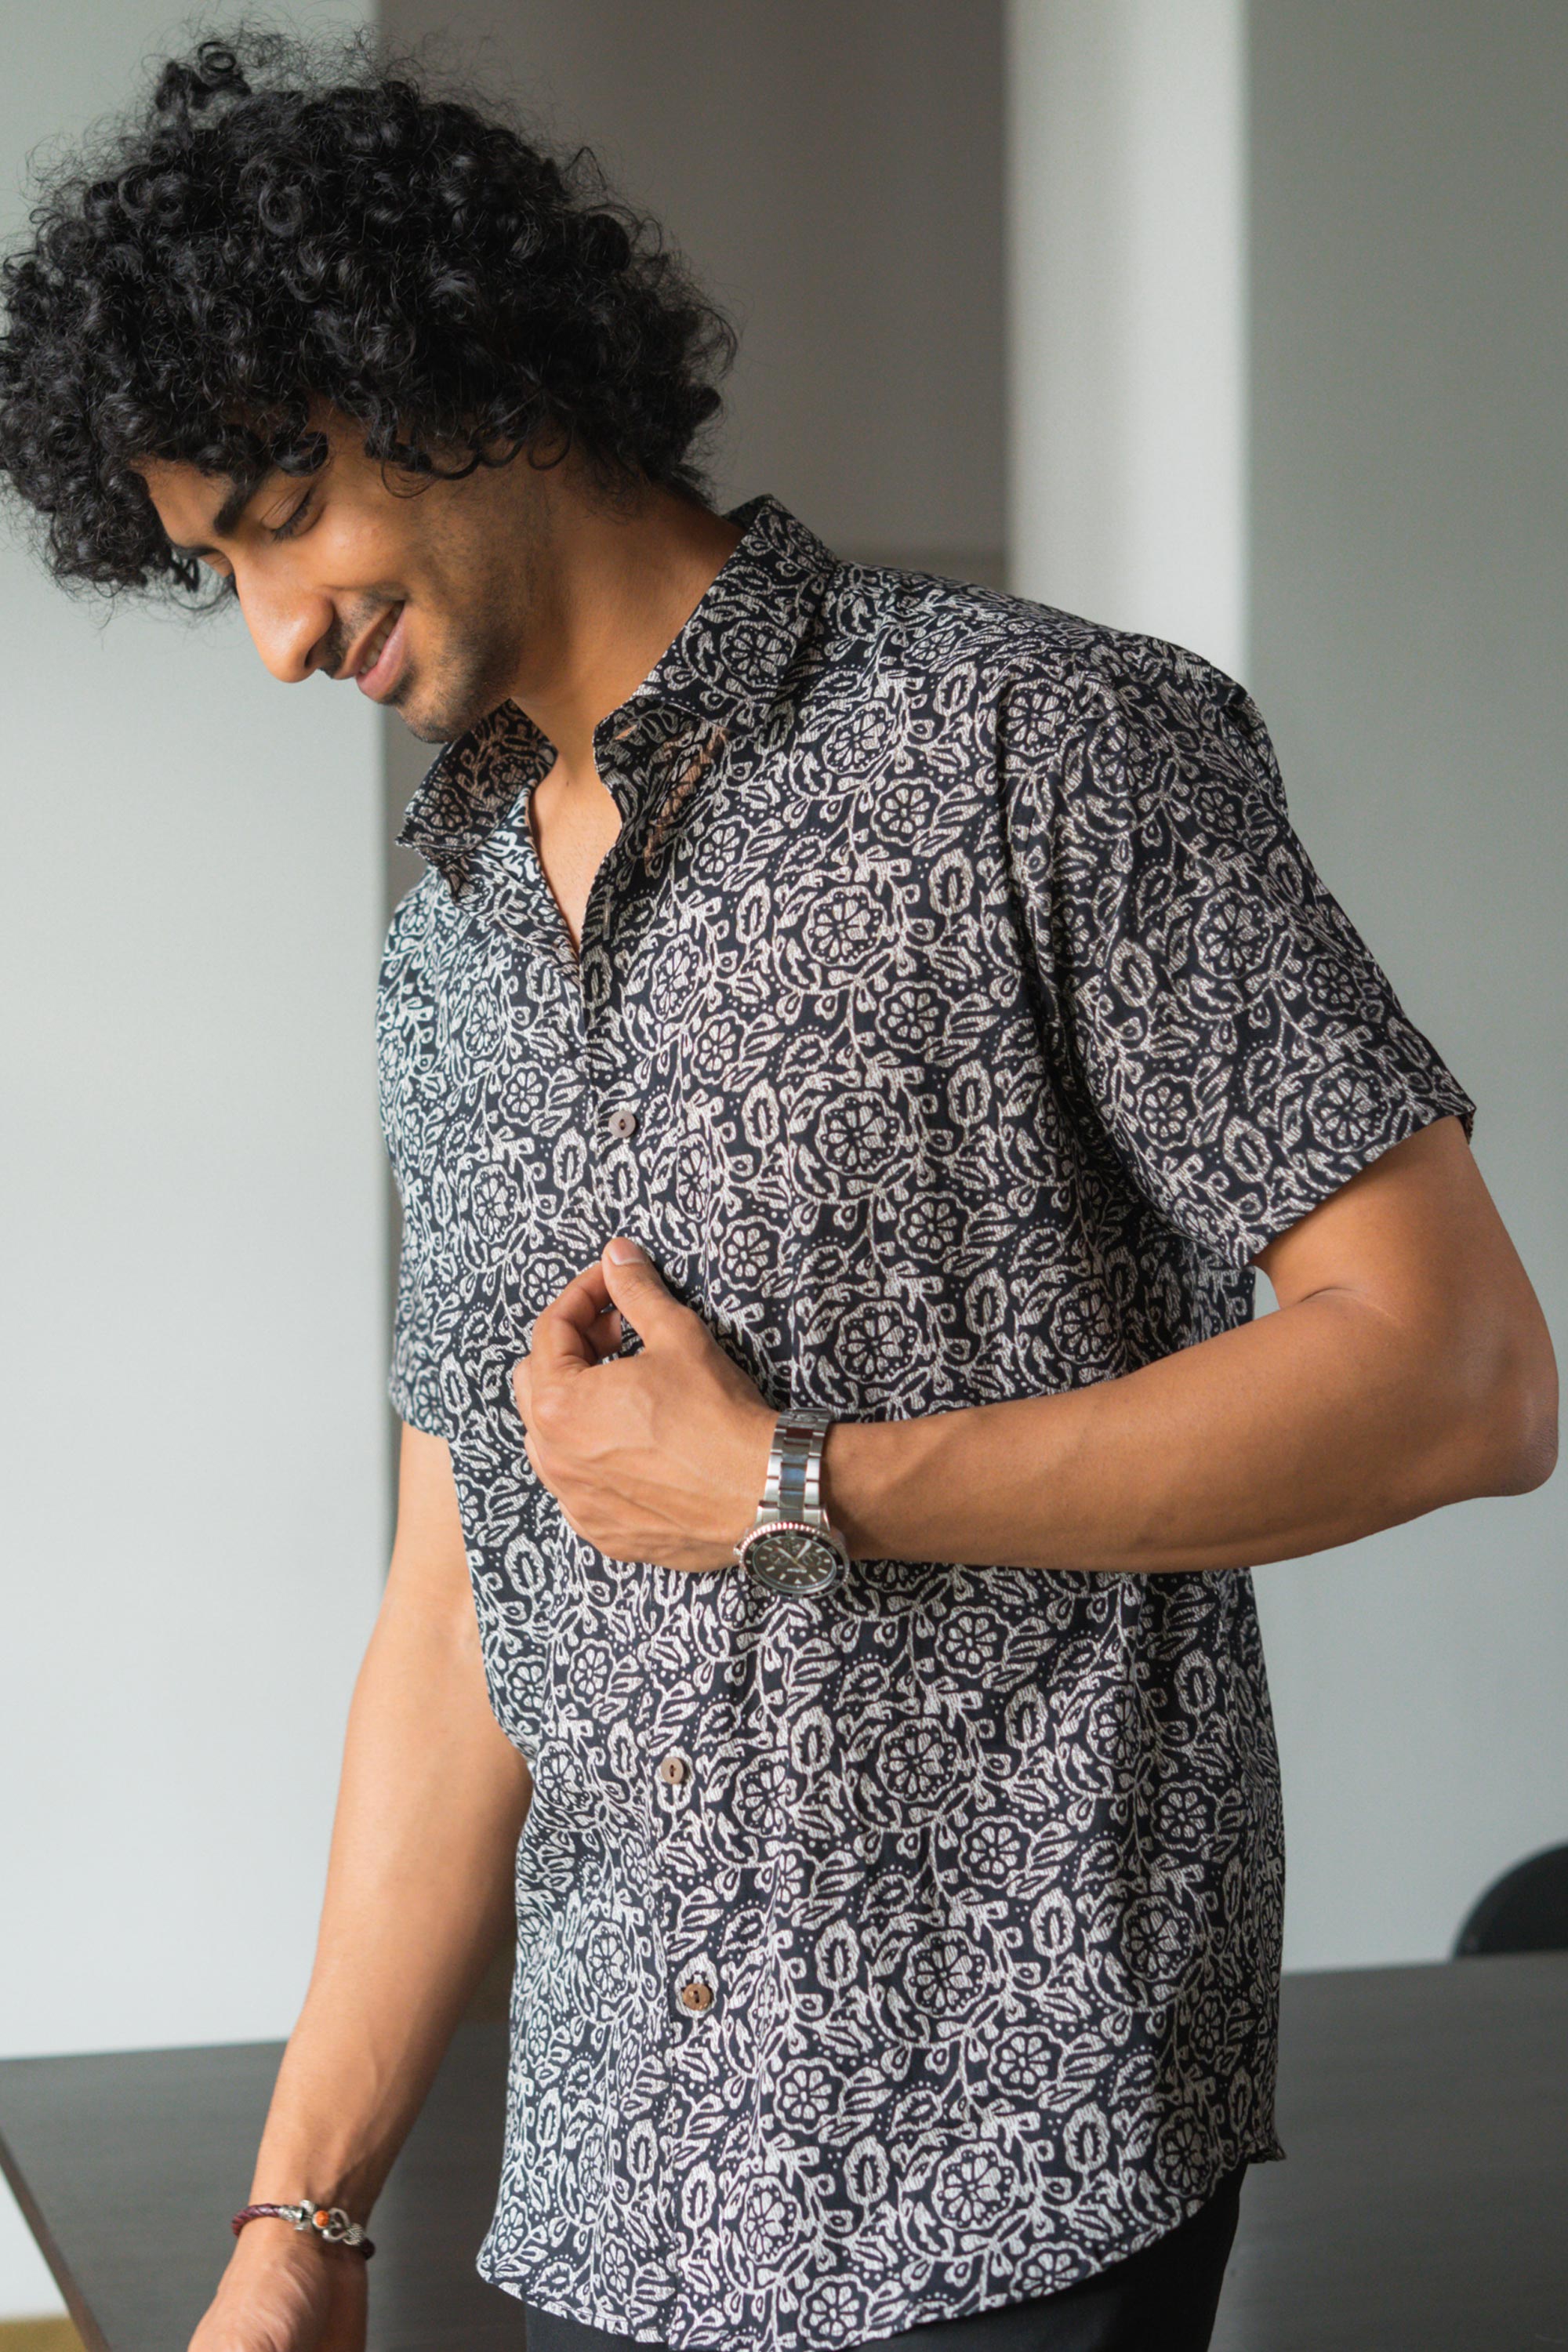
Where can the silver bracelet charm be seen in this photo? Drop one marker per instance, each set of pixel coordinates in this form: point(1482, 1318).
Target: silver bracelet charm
point(328, 2222)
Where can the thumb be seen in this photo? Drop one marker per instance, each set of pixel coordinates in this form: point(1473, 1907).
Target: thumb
point(633, 1282)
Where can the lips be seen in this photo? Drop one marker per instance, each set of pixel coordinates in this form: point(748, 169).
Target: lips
point(381, 658)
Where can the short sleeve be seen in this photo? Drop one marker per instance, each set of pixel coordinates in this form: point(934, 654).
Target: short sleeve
point(1231, 1030)
point(414, 1384)
point(403, 1026)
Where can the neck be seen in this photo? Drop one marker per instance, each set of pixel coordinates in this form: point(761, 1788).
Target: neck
point(620, 589)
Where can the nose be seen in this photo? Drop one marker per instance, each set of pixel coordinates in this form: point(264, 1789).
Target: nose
point(292, 626)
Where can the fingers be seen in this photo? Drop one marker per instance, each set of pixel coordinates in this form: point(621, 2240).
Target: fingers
point(565, 1323)
point(580, 1327)
point(632, 1283)
point(606, 1332)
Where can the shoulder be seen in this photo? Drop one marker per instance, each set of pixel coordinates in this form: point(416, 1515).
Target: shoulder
point(927, 628)
point(1041, 683)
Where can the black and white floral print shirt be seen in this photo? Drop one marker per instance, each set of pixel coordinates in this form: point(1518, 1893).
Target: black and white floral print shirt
point(957, 1017)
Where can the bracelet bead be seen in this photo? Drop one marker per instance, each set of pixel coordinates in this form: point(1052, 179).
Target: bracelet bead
point(330, 2222)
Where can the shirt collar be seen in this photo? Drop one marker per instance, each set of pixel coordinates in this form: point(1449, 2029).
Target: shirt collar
point(725, 668)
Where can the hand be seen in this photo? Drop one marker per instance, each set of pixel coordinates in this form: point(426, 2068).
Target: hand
point(661, 1455)
point(284, 2292)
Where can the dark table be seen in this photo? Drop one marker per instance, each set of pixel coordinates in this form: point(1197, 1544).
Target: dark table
point(1424, 2207)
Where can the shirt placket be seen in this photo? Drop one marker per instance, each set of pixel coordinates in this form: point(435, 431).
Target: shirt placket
point(617, 1128)
point(613, 1114)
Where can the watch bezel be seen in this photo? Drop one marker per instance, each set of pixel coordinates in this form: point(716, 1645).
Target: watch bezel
point(826, 1537)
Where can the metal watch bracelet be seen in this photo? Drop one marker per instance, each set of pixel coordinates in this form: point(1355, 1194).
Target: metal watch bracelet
point(791, 1547)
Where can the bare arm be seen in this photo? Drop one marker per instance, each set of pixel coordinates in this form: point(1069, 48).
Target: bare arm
point(432, 1800)
point(1408, 1366)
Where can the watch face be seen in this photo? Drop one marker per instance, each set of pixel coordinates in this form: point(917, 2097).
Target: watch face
point(794, 1560)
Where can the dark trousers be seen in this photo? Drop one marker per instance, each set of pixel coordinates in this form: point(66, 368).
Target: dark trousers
point(1162, 2299)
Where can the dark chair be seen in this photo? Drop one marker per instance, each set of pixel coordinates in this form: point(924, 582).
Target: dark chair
point(1525, 1911)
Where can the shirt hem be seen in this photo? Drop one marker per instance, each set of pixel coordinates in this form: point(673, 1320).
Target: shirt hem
point(929, 2312)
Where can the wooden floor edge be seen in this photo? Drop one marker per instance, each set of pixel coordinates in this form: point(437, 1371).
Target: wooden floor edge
point(56, 2334)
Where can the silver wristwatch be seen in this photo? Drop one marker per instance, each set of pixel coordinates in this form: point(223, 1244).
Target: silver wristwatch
point(791, 1548)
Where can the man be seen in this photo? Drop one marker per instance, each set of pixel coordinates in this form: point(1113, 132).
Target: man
point(835, 998)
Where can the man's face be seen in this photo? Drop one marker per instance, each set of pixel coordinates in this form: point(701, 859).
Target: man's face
point(428, 593)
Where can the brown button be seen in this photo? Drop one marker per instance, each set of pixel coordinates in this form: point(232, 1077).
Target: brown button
point(623, 1122)
point(675, 1769)
point(697, 1995)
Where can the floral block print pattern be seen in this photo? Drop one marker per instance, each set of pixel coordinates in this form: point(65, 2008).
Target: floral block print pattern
point(957, 1015)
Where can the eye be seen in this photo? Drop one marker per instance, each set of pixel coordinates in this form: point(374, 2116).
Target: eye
point(295, 520)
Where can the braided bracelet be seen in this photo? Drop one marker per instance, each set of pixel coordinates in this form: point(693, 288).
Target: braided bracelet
point(330, 2220)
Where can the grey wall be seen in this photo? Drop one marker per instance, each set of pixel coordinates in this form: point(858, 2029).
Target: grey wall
point(1410, 650)
point(834, 174)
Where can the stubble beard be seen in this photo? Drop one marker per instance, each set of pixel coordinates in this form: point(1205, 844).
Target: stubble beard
point(477, 671)
point(464, 693)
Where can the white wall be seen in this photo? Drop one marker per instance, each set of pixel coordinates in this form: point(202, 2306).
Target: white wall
point(1410, 649)
point(193, 1494)
point(1126, 283)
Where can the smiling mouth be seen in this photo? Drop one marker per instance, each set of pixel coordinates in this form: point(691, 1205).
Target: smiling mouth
point(377, 645)
point(380, 668)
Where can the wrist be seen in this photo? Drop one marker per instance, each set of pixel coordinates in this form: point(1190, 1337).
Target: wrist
point(864, 1475)
point(755, 1428)
point(349, 2178)
point(307, 2217)
point(329, 2136)
point(269, 2243)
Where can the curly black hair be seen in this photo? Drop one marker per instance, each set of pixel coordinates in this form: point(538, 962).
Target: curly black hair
point(281, 225)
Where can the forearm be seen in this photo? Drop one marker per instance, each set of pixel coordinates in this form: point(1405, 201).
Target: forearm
point(419, 1893)
point(1305, 1429)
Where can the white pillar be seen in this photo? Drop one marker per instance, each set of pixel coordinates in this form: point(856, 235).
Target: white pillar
point(1127, 265)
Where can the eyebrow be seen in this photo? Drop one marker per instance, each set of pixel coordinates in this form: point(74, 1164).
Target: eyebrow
point(228, 515)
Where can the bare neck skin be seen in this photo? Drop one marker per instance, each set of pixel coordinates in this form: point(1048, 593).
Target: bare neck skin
point(624, 590)
point(616, 592)
point(443, 599)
